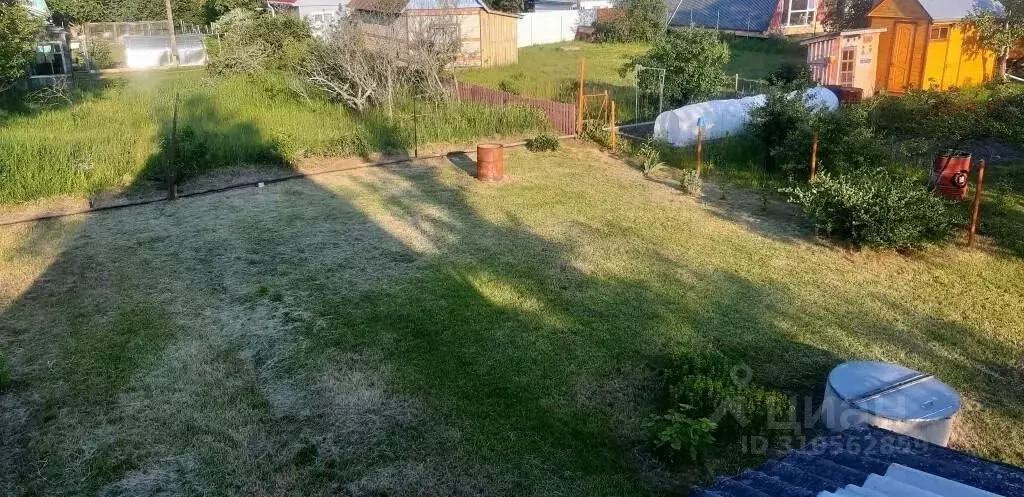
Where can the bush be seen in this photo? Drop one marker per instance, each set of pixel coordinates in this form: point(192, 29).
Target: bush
point(543, 143)
point(708, 404)
point(694, 61)
point(784, 115)
point(5, 374)
point(514, 84)
point(791, 75)
point(101, 54)
point(677, 432)
point(640, 21)
point(877, 209)
point(18, 31)
point(650, 158)
point(249, 42)
point(931, 120)
point(846, 141)
point(690, 182)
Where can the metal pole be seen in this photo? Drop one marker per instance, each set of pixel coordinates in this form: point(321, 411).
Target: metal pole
point(415, 127)
point(172, 159)
point(661, 93)
point(174, 39)
point(814, 156)
point(673, 17)
point(636, 93)
point(976, 208)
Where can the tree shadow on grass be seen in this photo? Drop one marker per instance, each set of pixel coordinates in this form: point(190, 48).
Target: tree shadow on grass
point(392, 331)
point(201, 139)
point(1002, 212)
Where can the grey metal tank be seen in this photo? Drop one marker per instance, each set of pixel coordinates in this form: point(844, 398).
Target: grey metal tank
point(891, 397)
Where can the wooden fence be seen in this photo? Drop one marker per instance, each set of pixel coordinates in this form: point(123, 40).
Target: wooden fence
point(562, 116)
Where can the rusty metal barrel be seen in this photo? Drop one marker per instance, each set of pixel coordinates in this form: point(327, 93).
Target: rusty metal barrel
point(490, 162)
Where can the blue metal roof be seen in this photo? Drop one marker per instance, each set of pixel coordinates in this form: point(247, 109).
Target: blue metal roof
point(954, 10)
point(736, 15)
point(849, 458)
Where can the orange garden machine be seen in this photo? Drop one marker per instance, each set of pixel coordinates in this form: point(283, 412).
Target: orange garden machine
point(951, 173)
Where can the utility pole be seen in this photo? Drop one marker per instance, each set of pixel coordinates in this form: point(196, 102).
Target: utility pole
point(174, 39)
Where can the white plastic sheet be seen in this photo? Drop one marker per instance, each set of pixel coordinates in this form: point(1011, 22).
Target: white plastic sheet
point(723, 118)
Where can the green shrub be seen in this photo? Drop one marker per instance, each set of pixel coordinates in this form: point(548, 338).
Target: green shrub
point(784, 115)
point(677, 432)
point(251, 42)
point(543, 143)
point(846, 142)
point(739, 410)
point(694, 61)
point(710, 400)
point(690, 182)
point(877, 209)
point(18, 32)
point(931, 120)
point(792, 75)
point(594, 131)
point(5, 374)
point(102, 54)
point(640, 21)
point(650, 158)
point(514, 84)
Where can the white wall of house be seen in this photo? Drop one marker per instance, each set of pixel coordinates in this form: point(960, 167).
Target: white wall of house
point(552, 26)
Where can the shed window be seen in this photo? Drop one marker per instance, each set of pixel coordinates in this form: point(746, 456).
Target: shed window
point(847, 64)
point(49, 59)
point(799, 12)
point(940, 33)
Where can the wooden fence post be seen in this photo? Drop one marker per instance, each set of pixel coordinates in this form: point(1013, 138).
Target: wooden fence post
point(615, 135)
point(814, 156)
point(582, 102)
point(976, 208)
point(700, 145)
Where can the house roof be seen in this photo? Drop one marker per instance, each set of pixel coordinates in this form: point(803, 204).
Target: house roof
point(864, 453)
point(734, 15)
point(955, 10)
point(398, 6)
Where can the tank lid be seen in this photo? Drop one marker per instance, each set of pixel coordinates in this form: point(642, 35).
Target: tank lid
point(893, 391)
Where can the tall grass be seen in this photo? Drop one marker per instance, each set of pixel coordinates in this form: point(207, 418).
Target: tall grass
point(111, 139)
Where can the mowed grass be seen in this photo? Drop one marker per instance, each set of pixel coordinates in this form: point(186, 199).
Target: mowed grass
point(114, 133)
point(549, 71)
point(411, 331)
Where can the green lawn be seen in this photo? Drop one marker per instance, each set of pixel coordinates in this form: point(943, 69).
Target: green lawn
point(410, 331)
point(548, 71)
point(113, 133)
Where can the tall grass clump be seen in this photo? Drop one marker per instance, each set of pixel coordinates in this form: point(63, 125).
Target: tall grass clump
point(118, 137)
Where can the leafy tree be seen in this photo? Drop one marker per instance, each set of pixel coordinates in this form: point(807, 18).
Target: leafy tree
point(18, 32)
point(847, 14)
point(189, 11)
point(694, 61)
point(513, 6)
point(214, 9)
point(640, 21)
point(1000, 32)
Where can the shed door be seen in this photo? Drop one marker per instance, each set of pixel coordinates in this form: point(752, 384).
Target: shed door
point(902, 53)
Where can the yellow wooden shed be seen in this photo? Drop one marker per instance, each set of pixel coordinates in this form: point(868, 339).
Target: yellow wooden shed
point(926, 46)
